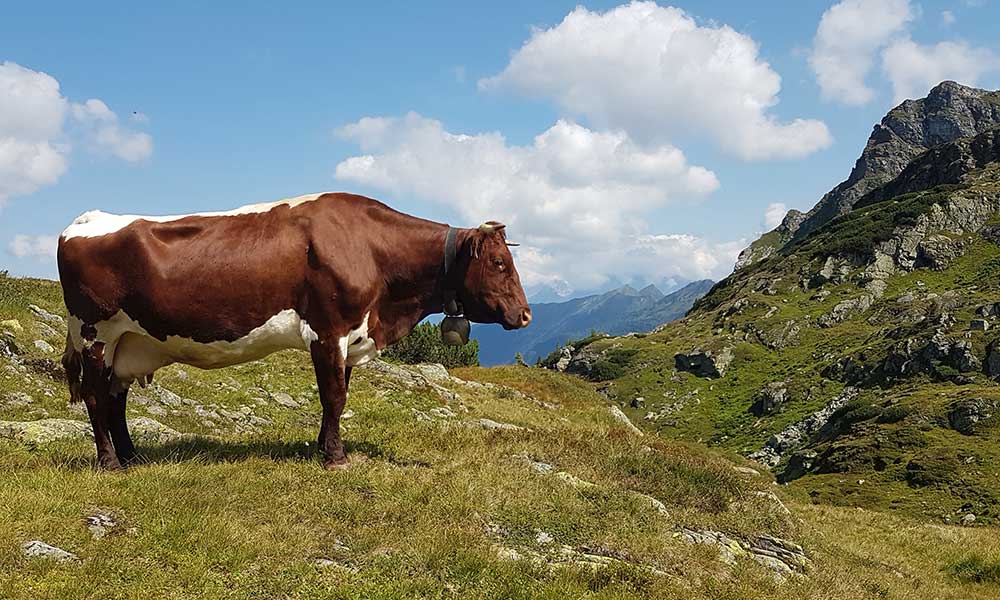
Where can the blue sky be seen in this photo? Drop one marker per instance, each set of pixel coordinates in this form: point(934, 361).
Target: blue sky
point(576, 132)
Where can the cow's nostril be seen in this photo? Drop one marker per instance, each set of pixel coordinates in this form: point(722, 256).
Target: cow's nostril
point(525, 317)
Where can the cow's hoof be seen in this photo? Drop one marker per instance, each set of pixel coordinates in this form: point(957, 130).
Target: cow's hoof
point(340, 464)
point(110, 464)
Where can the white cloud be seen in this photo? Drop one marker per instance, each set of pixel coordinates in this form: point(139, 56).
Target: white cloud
point(35, 142)
point(848, 36)
point(42, 247)
point(947, 18)
point(915, 68)
point(654, 72)
point(580, 194)
point(32, 112)
point(107, 135)
point(774, 214)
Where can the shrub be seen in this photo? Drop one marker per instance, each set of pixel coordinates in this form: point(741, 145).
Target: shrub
point(975, 569)
point(894, 414)
point(424, 345)
point(612, 365)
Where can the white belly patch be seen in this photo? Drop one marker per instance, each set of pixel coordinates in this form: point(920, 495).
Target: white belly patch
point(356, 347)
point(133, 353)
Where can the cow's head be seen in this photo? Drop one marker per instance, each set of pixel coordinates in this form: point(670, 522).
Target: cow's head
point(491, 291)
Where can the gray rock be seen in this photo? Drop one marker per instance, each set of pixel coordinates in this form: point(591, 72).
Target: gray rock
point(44, 431)
point(15, 400)
point(707, 364)
point(433, 372)
point(39, 549)
point(100, 524)
point(797, 434)
point(968, 519)
point(937, 251)
point(565, 356)
point(285, 400)
point(769, 399)
point(44, 346)
point(492, 425)
point(45, 315)
point(965, 415)
point(781, 557)
point(622, 418)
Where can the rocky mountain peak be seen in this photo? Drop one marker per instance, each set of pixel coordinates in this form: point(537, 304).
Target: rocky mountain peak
point(950, 111)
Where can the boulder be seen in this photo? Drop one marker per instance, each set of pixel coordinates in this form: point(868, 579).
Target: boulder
point(44, 315)
point(44, 431)
point(44, 346)
point(965, 415)
point(39, 549)
point(622, 418)
point(11, 325)
point(711, 365)
point(769, 399)
point(938, 251)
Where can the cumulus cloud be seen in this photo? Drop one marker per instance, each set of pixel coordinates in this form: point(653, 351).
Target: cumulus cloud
point(578, 193)
point(847, 39)
point(42, 247)
point(655, 73)
point(774, 214)
point(38, 127)
point(914, 68)
point(853, 34)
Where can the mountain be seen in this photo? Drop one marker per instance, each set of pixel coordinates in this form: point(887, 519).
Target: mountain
point(859, 359)
point(616, 312)
point(949, 112)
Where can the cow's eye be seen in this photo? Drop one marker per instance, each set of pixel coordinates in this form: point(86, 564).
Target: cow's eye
point(498, 263)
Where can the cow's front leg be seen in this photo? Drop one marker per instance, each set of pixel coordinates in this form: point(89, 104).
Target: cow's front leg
point(332, 376)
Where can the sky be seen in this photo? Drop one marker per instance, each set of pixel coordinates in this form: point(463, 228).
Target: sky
point(620, 143)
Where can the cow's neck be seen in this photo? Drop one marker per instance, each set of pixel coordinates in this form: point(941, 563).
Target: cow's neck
point(413, 288)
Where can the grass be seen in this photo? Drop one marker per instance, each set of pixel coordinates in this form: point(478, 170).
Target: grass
point(422, 510)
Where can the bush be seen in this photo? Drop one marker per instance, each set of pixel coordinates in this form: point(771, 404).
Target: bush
point(424, 345)
point(894, 414)
point(975, 569)
point(612, 366)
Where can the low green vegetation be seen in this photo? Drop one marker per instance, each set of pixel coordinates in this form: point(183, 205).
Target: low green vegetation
point(424, 345)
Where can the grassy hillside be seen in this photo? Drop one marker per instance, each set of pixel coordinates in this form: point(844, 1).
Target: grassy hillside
point(868, 310)
point(550, 497)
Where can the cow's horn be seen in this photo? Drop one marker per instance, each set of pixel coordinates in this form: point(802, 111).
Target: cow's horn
point(491, 226)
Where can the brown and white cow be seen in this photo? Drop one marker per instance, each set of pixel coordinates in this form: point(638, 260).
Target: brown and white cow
point(339, 275)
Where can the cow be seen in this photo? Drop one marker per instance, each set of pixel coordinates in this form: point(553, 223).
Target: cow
point(338, 275)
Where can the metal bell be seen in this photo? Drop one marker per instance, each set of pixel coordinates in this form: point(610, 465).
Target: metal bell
point(455, 331)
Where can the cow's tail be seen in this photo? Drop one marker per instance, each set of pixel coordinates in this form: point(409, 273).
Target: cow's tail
point(72, 362)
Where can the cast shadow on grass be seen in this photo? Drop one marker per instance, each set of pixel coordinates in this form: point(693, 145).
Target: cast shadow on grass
point(209, 450)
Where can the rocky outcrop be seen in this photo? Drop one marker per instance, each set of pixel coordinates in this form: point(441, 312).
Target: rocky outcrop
point(966, 415)
point(769, 399)
point(705, 363)
point(44, 431)
point(39, 549)
point(796, 435)
point(782, 557)
point(948, 113)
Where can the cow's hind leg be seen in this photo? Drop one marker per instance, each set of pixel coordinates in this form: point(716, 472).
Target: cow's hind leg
point(331, 378)
point(96, 392)
point(124, 447)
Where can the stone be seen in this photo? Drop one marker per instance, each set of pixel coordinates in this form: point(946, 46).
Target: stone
point(12, 325)
point(573, 480)
point(938, 251)
point(44, 431)
point(542, 538)
point(100, 524)
point(44, 315)
point(565, 356)
point(705, 363)
point(746, 471)
point(798, 433)
point(491, 425)
point(442, 412)
point(769, 399)
point(979, 325)
point(968, 519)
point(622, 418)
point(39, 549)
point(782, 557)
point(285, 400)
point(433, 372)
point(965, 415)
point(44, 346)
point(15, 400)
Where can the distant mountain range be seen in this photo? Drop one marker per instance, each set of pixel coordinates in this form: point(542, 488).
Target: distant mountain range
point(616, 312)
